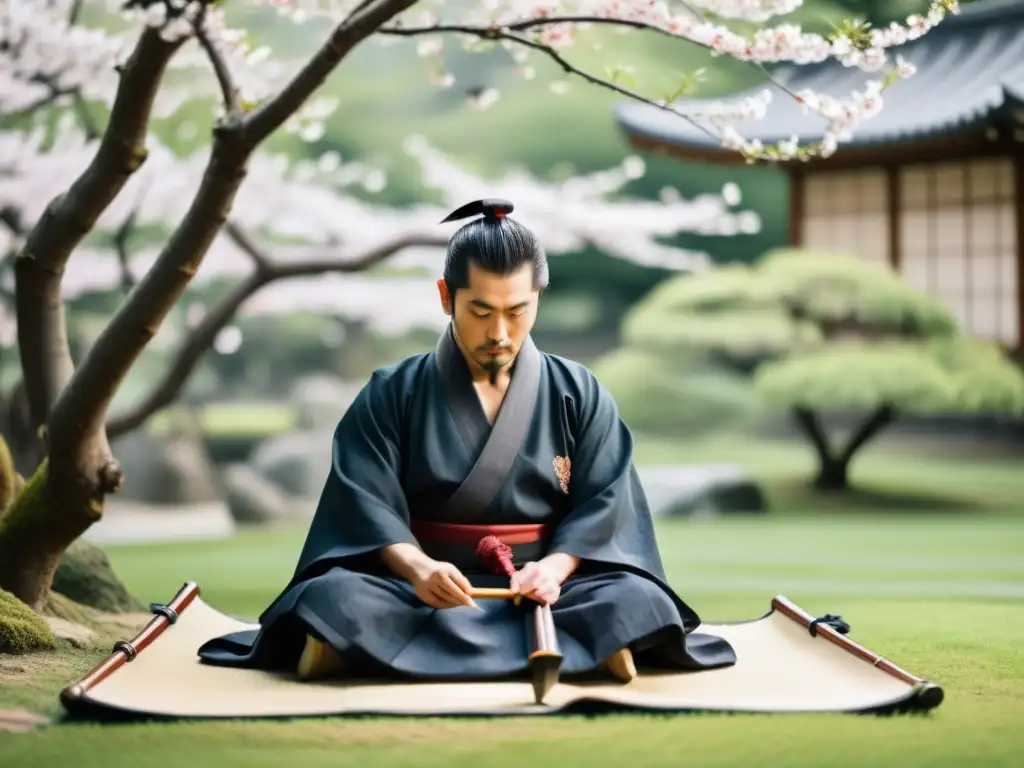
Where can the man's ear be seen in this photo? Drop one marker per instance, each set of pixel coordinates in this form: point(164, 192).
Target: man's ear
point(446, 301)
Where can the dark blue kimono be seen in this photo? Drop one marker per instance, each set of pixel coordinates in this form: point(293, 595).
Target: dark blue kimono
point(416, 445)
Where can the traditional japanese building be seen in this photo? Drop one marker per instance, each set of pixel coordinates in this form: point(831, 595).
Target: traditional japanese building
point(933, 185)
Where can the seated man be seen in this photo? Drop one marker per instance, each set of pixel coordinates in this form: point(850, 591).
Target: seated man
point(485, 435)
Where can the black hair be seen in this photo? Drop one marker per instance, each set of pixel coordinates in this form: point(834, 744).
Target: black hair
point(495, 243)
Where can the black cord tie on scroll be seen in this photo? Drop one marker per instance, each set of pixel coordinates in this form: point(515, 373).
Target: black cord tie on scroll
point(836, 622)
point(164, 610)
point(129, 650)
point(159, 609)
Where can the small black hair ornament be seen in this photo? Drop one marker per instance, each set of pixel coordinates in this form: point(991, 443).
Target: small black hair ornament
point(491, 209)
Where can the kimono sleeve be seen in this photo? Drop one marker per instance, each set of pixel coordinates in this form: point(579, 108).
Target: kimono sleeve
point(363, 506)
point(609, 521)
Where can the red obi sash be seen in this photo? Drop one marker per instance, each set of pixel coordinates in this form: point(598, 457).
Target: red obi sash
point(458, 533)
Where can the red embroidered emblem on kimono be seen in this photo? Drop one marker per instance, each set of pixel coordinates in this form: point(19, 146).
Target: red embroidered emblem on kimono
point(562, 467)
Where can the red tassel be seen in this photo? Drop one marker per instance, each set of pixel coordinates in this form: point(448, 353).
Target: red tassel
point(496, 554)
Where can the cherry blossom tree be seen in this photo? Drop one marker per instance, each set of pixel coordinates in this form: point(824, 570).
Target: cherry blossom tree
point(294, 222)
point(258, 98)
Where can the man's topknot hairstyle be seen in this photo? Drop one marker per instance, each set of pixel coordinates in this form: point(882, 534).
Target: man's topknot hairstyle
point(495, 243)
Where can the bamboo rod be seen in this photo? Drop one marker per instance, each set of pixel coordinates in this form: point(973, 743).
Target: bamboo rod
point(125, 651)
point(929, 694)
point(495, 593)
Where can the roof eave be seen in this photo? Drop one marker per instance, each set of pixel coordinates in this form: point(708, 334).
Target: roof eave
point(968, 139)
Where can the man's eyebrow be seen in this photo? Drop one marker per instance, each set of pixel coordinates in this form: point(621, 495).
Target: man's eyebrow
point(484, 305)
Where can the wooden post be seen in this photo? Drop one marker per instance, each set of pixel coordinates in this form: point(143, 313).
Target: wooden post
point(1018, 194)
point(545, 659)
point(796, 208)
point(895, 217)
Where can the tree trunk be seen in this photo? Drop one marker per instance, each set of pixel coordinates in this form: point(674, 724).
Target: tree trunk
point(39, 267)
point(832, 474)
point(23, 439)
point(33, 538)
point(81, 469)
point(833, 466)
point(65, 496)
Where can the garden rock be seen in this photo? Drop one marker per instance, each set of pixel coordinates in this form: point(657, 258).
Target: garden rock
point(77, 635)
point(298, 462)
point(252, 498)
point(85, 575)
point(173, 470)
point(321, 400)
point(701, 491)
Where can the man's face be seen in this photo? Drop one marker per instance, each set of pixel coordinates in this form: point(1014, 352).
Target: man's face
point(493, 315)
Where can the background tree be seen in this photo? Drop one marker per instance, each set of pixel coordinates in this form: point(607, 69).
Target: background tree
point(69, 405)
point(822, 334)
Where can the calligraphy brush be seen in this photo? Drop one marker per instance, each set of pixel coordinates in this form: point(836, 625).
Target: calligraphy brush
point(545, 659)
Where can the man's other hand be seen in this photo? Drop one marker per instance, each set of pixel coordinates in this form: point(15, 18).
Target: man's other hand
point(442, 585)
point(538, 582)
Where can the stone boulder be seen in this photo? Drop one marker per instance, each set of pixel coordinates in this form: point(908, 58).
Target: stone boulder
point(298, 462)
point(172, 470)
point(86, 576)
point(701, 490)
point(78, 635)
point(253, 499)
point(321, 400)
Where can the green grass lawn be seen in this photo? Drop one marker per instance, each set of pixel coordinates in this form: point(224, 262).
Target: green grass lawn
point(938, 591)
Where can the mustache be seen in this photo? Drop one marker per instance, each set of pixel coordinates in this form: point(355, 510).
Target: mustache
point(495, 347)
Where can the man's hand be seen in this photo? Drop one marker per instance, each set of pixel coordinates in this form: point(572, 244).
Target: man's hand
point(442, 585)
point(439, 585)
point(538, 582)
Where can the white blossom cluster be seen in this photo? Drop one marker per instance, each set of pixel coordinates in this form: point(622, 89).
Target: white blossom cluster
point(174, 18)
point(303, 210)
point(43, 55)
point(554, 24)
point(782, 43)
point(587, 209)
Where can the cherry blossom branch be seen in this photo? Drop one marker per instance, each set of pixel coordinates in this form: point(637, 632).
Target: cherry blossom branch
point(89, 127)
point(10, 217)
point(497, 33)
point(357, 26)
point(45, 100)
point(42, 335)
point(121, 237)
point(248, 246)
point(81, 409)
point(229, 91)
point(203, 336)
point(852, 44)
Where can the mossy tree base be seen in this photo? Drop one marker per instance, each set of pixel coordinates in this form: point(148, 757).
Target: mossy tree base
point(22, 630)
point(40, 550)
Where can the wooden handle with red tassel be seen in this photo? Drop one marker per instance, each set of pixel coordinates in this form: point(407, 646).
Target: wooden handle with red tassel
point(498, 555)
